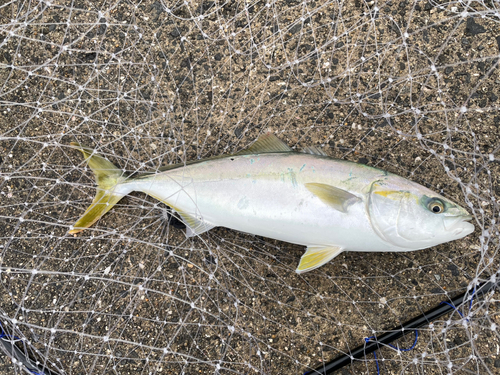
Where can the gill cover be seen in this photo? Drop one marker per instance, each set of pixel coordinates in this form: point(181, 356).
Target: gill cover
point(398, 217)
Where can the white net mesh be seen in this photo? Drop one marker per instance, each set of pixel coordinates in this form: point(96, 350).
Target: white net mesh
point(411, 87)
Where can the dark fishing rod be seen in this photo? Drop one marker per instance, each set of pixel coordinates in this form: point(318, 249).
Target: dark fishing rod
point(398, 332)
point(21, 356)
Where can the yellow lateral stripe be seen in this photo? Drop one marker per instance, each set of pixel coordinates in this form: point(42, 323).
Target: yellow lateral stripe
point(395, 194)
point(386, 193)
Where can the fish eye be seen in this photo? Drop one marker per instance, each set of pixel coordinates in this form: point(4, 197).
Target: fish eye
point(436, 206)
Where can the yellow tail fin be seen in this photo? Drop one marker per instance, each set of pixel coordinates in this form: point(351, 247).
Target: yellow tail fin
point(107, 176)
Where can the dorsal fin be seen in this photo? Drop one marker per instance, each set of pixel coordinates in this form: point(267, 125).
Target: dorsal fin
point(314, 150)
point(267, 143)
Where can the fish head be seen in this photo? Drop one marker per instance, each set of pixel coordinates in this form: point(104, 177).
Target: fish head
point(410, 216)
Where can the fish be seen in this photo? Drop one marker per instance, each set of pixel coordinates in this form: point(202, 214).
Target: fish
point(306, 198)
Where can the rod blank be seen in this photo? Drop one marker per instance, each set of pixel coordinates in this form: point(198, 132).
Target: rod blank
point(398, 332)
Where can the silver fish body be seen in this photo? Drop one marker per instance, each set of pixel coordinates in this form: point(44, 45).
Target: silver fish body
point(266, 195)
point(309, 199)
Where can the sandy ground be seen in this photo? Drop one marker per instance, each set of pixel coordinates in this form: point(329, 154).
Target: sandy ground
point(163, 92)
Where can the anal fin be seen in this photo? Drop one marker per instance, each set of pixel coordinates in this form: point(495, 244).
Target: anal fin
point(316, 256)
point(194, 226)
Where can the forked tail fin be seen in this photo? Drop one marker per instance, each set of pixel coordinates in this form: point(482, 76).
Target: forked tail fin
point(108, 176)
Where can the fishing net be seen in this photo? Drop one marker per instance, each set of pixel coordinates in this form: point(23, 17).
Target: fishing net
point(410, 87)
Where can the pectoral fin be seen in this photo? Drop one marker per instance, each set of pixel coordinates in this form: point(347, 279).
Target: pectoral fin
point(316, 256)
point(333, 196)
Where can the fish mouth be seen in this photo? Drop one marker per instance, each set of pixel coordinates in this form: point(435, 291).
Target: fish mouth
point(459, 226)
point(450, 222)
